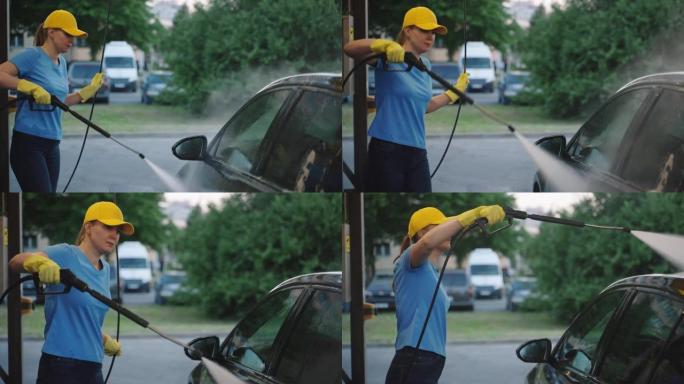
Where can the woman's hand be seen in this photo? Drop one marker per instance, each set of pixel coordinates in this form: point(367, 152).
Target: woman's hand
point(111, 346)
point(91, 89)
point(461, 85)
point(40, 95)
point(394, 51)
point(493, 214)
point(47, 270)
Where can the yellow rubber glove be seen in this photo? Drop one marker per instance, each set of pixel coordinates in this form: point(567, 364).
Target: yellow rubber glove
point(47, 270)
point(461, 85)
point(40, 95)
point(394, 51)
point(91, 89)
point(493, 214)
point(111, 346)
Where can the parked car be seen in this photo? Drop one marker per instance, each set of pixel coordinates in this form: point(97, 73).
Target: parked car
point(169, 283)
point(117, 294)
point(460, 289)
point(293, 335)
point(633, 142)
point(380, 293)
point(288, 137)
point(512, 84)
point(448, 71)
point(79, 75)
point(632, 332)
point(155, 82)
point(486, 273)
point(522, 288)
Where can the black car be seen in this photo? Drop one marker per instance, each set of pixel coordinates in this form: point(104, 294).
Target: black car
point(633, 332)
point(288, 137)
point(169, 283)
point(633, 142)
point(153, 85)
point(79, 75)
point(448, 71)
point(380, 293)
point(511, 85)
point(460, 289)
point(293, 335)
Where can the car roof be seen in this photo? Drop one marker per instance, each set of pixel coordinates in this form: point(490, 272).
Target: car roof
point(330, 81)
point(673, 283)
point(332, 279)
point(667, 78)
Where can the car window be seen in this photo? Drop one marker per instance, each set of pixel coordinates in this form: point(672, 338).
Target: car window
point(579, 345)
point(307, 149)
point(657, 161)
point(84, 71)
point(239, 144)
point(670, 369)
point(641, 336)
point(599, 141)
point(252, 340)
point(312, 354)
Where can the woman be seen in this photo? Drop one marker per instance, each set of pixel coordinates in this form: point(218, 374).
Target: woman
point(415, 278)
point(74, 342)
point(37, 73)
point(397, 159)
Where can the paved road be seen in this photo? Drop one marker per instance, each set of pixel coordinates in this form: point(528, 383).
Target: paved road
point(125, 97)
point(482, 98)
point(466, 363)
point(105, 166)
point(474, 164)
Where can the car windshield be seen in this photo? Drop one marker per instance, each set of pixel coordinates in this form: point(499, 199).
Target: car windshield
point(134, 263)
point(478, 62)
point(119, 62)
point(158, 79)
point(380, 283)
point(524, 285)
point(516, 79)
point(447, 71)
point(484, 269)
point(84, 71)
point(171, 279)
point(455, 279)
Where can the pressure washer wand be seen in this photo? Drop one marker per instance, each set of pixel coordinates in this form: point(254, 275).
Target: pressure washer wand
point(522, 215)
point(58, 103)
point(69, 279)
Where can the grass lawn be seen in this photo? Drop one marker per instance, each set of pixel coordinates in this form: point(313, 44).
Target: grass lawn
point(469, 327)
point(139, 118)
point(166, 318)
point(525, 119)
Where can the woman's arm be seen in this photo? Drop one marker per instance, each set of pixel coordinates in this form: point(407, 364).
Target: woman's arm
point(358, 48)
point(73, 98)
point(436, 236)
point(8, 75)
point(437, 102)
point(17, 262)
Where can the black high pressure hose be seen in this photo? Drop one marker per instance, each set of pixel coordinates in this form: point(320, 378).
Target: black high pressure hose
point(92, 107)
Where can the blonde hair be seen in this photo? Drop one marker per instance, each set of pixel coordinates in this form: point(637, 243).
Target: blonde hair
point(401, 36)
point(41, 36)
point(82, 233)
point(405, 244)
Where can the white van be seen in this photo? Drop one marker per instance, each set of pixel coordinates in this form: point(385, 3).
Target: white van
point(121, 66)
point(134, 266)
point(480, 65)
point(485, 273)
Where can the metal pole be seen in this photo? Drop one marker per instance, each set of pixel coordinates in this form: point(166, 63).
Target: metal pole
point(360, 13)
point(14, 298)
point(4, 100)
point(356, 276)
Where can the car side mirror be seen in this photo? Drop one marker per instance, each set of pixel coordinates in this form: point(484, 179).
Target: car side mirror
point(191, 148)
point(207, 346)
point(535, 351)
point(553, 144)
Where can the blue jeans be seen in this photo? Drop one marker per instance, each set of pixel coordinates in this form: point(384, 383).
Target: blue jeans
point(425, 368)
point(397, 168)
point(35, 162)
point(61, 370)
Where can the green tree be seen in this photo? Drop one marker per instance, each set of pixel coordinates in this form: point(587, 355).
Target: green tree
point(60, 216)
point(129, 20)
point(387, 216)
point(574, 264)
point(575, 53)
point(236, 253)
point(214, 47)
point(486, 19)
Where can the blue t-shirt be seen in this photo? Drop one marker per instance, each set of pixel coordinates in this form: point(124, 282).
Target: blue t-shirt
point(413, 289)
point(36, 66)
point(401, 98)
point(73, 321)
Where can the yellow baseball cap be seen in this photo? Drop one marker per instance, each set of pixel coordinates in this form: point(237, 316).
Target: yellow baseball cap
point(424, 217)
point(423, 18)
point(108, 213)
point(65, 21)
